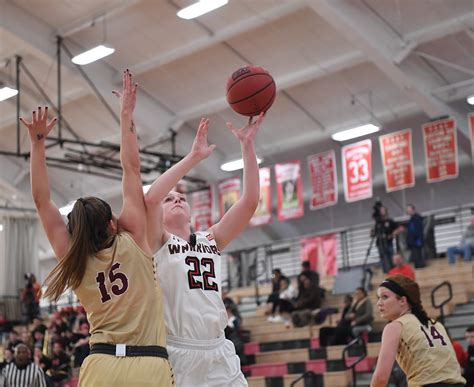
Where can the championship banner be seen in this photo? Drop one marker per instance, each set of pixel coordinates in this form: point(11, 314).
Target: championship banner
point(441, 150)
point(202, 210)
point(397, 160)
point(263, 213)
point(229, 193)
point(357, 170)
point(322, 170)
point(289, 190)
point(321, 253)
point(471, 130)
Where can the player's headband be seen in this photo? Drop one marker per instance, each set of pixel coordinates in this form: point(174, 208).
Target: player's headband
point(394, 287)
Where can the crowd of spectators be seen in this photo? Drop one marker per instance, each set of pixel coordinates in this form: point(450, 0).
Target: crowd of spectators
point(47, 350)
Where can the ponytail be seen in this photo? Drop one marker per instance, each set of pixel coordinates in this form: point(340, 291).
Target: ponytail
point(88, 226)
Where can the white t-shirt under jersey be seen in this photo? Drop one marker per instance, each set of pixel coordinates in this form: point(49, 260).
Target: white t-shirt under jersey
point(190, 279)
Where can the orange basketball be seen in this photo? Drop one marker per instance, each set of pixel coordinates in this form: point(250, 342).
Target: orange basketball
point(250, 90)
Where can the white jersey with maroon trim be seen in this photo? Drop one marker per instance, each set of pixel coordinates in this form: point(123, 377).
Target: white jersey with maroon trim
point(190, 278)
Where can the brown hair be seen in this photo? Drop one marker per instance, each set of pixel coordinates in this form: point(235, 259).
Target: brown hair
point(88, 225)
point(412, 291)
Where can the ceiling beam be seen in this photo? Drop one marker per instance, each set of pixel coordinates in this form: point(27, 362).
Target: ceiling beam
point(253, 22)
point(378, 42)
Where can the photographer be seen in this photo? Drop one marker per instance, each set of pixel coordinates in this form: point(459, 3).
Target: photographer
point(30, 296)
point(384, 230)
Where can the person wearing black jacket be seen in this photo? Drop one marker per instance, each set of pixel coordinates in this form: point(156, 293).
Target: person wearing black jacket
point(469, 367)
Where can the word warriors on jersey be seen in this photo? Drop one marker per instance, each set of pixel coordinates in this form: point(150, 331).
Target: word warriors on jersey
point(177, 248)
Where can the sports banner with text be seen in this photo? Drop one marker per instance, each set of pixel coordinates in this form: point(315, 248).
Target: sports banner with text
point(202, 209)
point(289, 190)
point(471, 130)
point(357, 170)
point(263, 213)
point(321, 252)
point(323, 175)
point(441, 150)
point(397, 160)
point(229, 193)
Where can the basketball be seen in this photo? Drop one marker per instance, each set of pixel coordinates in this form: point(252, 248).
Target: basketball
point(250, 90)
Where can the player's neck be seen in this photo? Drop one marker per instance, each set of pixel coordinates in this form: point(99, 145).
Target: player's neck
point(183, 232)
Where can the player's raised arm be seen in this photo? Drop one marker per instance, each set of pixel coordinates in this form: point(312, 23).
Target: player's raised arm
point(38, 130)
point(237, 218)
point(133, 208)
point(200, 150)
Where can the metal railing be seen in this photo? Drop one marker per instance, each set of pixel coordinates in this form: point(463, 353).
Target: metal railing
point(358, 342)
point(441, 305)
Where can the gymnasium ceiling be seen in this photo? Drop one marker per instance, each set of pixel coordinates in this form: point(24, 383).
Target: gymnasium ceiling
point(336, 63)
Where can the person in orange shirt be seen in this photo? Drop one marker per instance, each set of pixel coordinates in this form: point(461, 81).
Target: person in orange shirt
point(402, 268)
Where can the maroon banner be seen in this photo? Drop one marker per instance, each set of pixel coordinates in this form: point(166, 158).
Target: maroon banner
point(229, 193)
point(441, 150)
point(321, 252)
point(322, 170)
point(289, 190)
point(397, 160)
point(357, 170)
point(471, 130)
point(263, 213)
point(202, 210)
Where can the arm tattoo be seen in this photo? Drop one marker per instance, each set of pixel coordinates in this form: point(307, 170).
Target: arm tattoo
point(132, 127)
point(40, 136)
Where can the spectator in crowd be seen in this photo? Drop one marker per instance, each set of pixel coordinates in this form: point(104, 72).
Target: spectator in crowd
point(5, 324)
point(469, 367)
point(285, 303)
point(307, 301)
point(326, 334)
point(313, 275)
point(41, 360)
point(59, 370)
point(233, 330)
point(358, 320)
point(7, 357)
point(384, 230)
point(230, 303)
point(275, 294)
point(467, 245)
point(415, 238)
point(81, 345)
point(26, 339)
point(22, 372)
point(13, 340)
point(30, 296)
point(461, 354)
point(402, 268)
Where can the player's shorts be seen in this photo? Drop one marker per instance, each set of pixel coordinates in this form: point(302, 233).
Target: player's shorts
point(99, 370)
point(205, 363)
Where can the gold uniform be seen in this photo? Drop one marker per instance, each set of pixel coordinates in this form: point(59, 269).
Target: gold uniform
point(425, 354)
point(124, 306)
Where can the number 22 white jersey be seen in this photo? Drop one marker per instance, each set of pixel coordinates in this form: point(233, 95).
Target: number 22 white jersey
point(190, 278)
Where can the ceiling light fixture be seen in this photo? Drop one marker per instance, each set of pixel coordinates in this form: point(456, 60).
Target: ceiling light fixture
point(93, 54)
point(470, 100)
point(200, 8)
point(355, 132)
point(7, 92)
point(236, 165)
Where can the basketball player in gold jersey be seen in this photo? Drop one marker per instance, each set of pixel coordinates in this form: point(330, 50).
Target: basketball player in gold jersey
point(420, 345)
point(108, 263)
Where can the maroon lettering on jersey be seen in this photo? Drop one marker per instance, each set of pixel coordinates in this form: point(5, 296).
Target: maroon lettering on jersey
point(173, 249)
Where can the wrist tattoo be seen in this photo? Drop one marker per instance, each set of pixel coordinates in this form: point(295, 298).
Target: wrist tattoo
point(132, 127)
point(40, 136)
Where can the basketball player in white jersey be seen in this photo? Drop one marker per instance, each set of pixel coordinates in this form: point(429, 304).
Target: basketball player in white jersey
point(189, 266)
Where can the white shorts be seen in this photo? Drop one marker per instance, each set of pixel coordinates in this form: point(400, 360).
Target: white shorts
point(205, 363)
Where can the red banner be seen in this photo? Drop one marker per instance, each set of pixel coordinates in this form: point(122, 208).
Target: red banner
point(202, 210)
point(397, 160)
point(357, 170)
point(322, 170)
point(321, 252)
point(229, 193)
point(289, 190)
point(471, 127)
point(441, 150)
point(263, 213)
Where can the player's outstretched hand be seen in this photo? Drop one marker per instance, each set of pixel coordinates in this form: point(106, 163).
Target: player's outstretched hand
point(39, 128)
point(201, 149)
point(128, 96)
point(249, 131)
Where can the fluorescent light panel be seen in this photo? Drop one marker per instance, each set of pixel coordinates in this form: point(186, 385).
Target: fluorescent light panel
point(355, 132)
point(6, 92)
point(92, 55)
point(236, 164)
point(200, 8)
point(470, 100)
